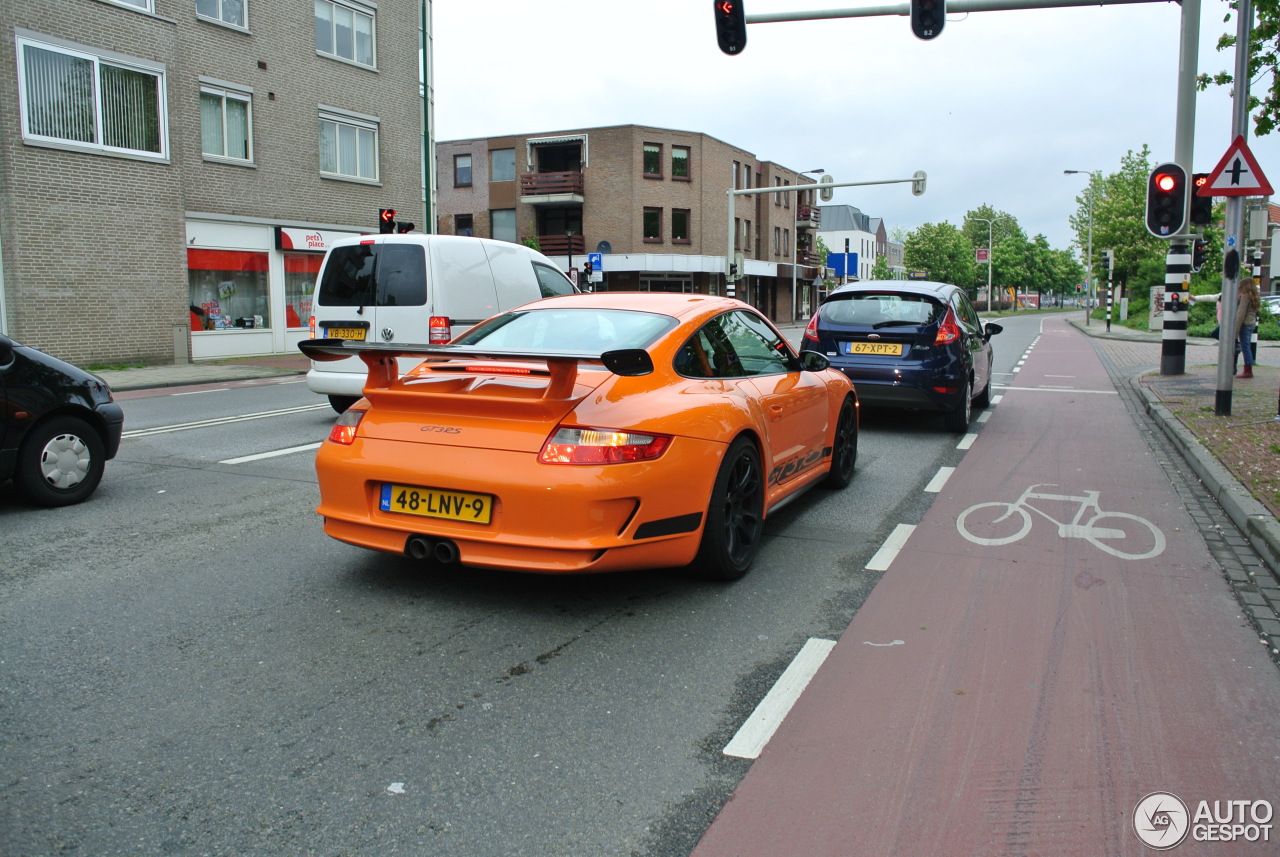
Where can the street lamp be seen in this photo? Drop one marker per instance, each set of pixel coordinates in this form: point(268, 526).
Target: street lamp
point(990, 251)
point(795, 241)
point(1088, 267)
point(568, 248)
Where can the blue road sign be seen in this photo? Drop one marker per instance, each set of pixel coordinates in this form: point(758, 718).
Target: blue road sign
point(596, 260)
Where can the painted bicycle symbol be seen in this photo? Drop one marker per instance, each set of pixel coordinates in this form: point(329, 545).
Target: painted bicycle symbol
point(1117, 533)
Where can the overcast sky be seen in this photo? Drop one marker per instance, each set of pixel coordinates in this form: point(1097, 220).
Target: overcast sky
point(993, 109)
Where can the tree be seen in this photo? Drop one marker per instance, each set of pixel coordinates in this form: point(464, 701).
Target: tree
point(1264, 55)
point(1008, 247)
point(880, 271)
point(943, 252)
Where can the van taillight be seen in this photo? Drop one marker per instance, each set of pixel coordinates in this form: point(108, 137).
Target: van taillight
point(440, 330)
point(312, 323)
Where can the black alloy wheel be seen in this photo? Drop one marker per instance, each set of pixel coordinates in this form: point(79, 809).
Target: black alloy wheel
point(735, 516)
point(844, 448)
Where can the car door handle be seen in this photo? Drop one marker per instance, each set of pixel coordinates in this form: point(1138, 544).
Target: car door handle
point(775, 412)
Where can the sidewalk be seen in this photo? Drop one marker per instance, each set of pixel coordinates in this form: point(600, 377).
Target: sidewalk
point(204, 372)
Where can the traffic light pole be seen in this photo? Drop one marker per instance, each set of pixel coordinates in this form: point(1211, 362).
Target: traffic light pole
point(1177, 266)
point(1234, 226)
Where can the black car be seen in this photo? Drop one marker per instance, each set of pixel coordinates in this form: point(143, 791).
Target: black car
point(908, 344)
point(60, 426)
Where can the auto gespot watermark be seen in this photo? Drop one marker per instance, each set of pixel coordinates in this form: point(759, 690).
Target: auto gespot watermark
point(1162, 821)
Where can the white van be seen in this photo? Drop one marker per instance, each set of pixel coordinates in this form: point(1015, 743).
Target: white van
point(416, 288)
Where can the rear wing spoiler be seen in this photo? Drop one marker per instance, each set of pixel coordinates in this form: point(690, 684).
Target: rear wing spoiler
point(380, 357)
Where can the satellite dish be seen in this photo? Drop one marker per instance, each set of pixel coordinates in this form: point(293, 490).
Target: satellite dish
point(604, 247)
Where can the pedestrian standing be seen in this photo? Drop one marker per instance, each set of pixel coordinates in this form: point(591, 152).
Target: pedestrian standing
point(1247, 305)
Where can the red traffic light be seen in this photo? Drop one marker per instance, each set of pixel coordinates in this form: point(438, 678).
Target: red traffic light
point(1166, 181)
point(731, 25)
point(386, 220)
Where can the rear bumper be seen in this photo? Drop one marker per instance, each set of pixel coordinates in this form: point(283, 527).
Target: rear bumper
point(545, 518)
point(905, 387)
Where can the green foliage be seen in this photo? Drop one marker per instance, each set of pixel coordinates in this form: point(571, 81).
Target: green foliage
point(943, 252)
point(532, 243)
point(1264, 54)
point(880, 271)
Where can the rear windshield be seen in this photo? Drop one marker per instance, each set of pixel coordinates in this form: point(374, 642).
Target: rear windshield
point(876, 309)
point(582, 329)
point(375, 275)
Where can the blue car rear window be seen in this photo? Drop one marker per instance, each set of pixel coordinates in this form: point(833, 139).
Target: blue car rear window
point(874, 309)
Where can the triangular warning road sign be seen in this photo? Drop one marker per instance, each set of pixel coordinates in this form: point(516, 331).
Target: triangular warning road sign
point(1237, 174)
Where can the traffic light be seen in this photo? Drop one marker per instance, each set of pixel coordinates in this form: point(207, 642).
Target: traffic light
point(1201, 206)
point(927, 17)
point(1198, 251)
point(1107, 263)
point(587, 269)
point(386, 220)
point(404, 226)
point(731, 25)
point(1166, 200)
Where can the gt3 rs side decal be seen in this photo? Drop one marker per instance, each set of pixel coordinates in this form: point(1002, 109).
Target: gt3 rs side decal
point(798, 464)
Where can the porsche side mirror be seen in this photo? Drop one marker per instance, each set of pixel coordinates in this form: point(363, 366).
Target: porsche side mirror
point(812, 361)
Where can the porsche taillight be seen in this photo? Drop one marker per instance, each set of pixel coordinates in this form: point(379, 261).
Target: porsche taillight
point(345, 429)
point(601, 446)
point(811, 332)
point(439, 330)
point(949, 330)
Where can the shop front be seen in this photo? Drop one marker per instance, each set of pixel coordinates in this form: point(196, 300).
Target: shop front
point(251, 285)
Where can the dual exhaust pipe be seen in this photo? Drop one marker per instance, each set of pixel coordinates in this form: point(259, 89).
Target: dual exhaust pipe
point(443, 551)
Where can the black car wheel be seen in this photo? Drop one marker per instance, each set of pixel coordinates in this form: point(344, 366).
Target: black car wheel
point(958, 418)
point(735, 516)
point(844, 448)
point(60, 462)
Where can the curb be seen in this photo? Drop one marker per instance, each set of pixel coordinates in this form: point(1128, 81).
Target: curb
point(1259, 526)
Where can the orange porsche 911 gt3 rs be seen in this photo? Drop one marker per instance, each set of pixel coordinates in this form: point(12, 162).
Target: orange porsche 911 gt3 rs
point(585, 433)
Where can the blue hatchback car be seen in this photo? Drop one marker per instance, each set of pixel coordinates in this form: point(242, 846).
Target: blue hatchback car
point(908, 344)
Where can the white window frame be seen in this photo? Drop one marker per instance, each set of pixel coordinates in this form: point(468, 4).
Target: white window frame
point(369, 12)
point(141, 5)
point(225, 92)
point(341, 119)
point(97, 58)
point(218, 19)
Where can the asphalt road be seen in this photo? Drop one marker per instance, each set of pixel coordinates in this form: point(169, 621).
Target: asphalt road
point(189, 666)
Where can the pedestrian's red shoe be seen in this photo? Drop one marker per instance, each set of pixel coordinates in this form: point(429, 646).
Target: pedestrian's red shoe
point(1247, 372)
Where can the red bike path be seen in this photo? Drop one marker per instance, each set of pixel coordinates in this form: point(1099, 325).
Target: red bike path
point(1022, 698)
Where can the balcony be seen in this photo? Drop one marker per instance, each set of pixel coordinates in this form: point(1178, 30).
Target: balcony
point(808, 217)
point(808, 258)
point(551, 188)
point(561, 245)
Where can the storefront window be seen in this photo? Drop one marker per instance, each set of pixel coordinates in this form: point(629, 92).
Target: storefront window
point(300, 272)
point(228, 289)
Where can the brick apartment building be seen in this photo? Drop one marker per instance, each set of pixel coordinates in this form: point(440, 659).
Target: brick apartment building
point(172, 170)
point(652, 201)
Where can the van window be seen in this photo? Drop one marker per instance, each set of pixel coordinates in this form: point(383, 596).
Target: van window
point(374, 275)
point(551, 282)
